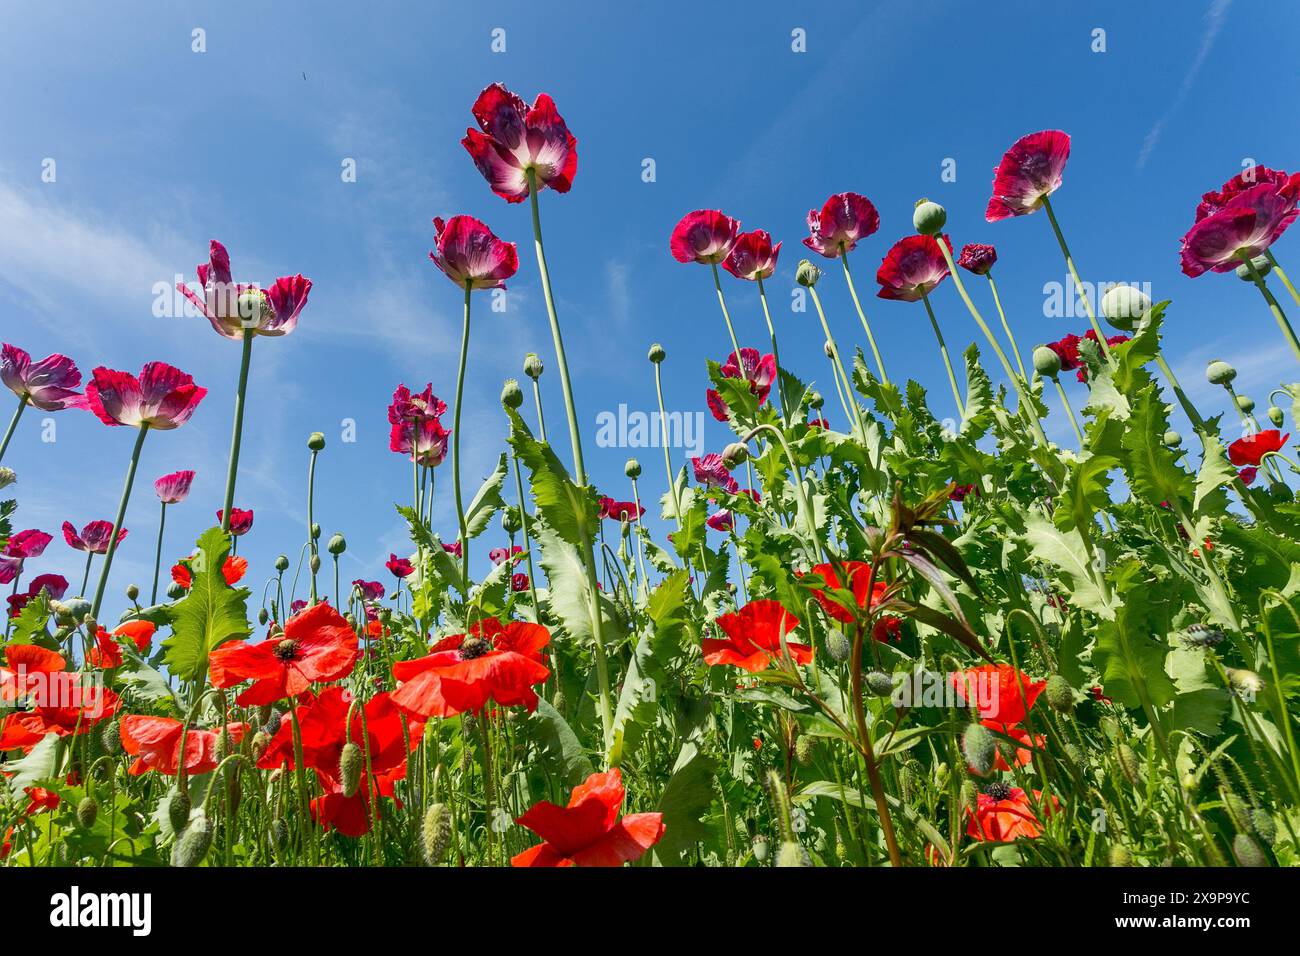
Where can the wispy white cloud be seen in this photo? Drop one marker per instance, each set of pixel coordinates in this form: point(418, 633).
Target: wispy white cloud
point(1215, 18)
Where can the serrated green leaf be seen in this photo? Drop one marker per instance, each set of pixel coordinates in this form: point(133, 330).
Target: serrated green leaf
point(211, 613)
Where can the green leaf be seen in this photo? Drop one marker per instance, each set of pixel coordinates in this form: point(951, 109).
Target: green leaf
point(487, 501)
point(1068, 554)
point(560, 746)
point(1086, 491)
point(569, 510)
point(1153, 470)
point(40, 764)
point(1216, 472)
point(979, 397)
point(211, 613)
point(685, 801)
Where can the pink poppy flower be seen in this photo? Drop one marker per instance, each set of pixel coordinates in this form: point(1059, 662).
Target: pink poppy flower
point(913, 267)
point(1283, 182)
point(753, 256)
point(1242, 228)
point(519, 582)
point(711, 472)
point(759, 370)
point(469, 254)
point(27, 544)
point(705, 236)
point(1030, 171)
point(241, 521)
point(49, 384)
point(174, 488)
point(499, 555)
point(977, 258)
point(408, 406)
point(231, 307)
point(721, 520)
point(54, 585)
point(424, 440)
point(516, 138)
point(162, 397)
point(1248, 475)
point(370, 590)
point(843, 219)
point(94, 537)
point(454, 549)
point(399, 567)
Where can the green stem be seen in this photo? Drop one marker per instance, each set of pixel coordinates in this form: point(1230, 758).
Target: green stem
point(943, 349)
point(786, 411)
point(13, 424)
point(1069, 410)
point(1276, 309)
point(117, 523)
point(1078, 285)
point(85, 577)
point(455, 447)
point(528, 548)
point(157, 558)
point(862, 316)
point(839, 367)
point(311, 524)
point(1006, 326)
point(237, 433)
point(726, 316)
point(668, 460)
point(541, 418)
point(1286, 282)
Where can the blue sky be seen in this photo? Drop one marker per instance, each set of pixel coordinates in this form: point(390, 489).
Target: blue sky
point(159, 148)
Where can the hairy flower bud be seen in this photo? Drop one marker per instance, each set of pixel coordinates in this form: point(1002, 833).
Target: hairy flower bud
point(792, 854)
point(1128, 763)
point(879, 683)
point(435, 833)
point(1124, 305)
point(178, 810)
point(656, 354)
point(837, 646)
point(803, 750)
point(87, 811)
point(337, 544)
point(969, 796)
point(7, 477)
point(1247, 851)
point(351, 763)
point(735, 455)
point(1060, 695)
point(512, 396)
point(192, 845)
point(533, 366)
point(111, 737)
point(1276, 416)
point(314, 563)
point(316, 441)
point(979, 747)
point(1219, 372)
point(1238, 810)
point(929, 217)
point(807, 274)
point(1262, 823)
point(263, 616)
point(1047, 362)
point(1120, 856)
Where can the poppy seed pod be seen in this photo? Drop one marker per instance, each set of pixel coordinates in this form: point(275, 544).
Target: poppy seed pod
point(879, 683)
point(1060, 695)
point(282, 564)
point(929, 217)
point(1262, 265)
point(1276, 416)
point(337, 544)
point(351, 763)
point(512, 396)
point(656, 354)
point(1171, 439)
point(316, 441)
point(1047, 362)
point(735, 454)
point(132, 592)
point(807, 274)
point(435, 833)
point(632, 469)
point(1246, 403)
point(1220, 373)
point(87, 811)
point(533, 366)
point(979, 747)
point(1124, 305)
point(75, 609)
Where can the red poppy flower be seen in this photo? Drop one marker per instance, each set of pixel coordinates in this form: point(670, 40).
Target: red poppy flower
point(232, 569)
point(753, 256)
point(912, 268)
point(317, 645)
point(27, 544)
point(843, 219)
point(1252, 449)
point(424, 439)
point(705, 236)
point(753, 637)
point(516, 138)
point(62, 705)
point(162, 397)
point(241, 521)
point(758, 369)
point(1283, 182)
point(464, 671)
point(1245, 226)
point(107, 652)
point(1005, 813)
point(1000, 692)
point(94, 536)
point(408, 406)
point(232, 308)
point(977, 258)
point(711, 472)
point(1030, 171)
point(859, 575)
point(721, 520)
point(399, 567)
point(155, 742)
point(621, 510)
point(519, 582)
point(27, 667)
point(54, 586)
point(958, 493)
point(1067, 350)
point(1247, 475)
point(588, 832)
point(469, 254)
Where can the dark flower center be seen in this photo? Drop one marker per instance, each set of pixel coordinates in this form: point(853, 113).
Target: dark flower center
point(473, 647)
point(998, 791)
point(287, 650)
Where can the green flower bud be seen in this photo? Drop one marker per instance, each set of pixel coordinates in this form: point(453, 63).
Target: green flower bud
point(511, 522)
point(980, 748)
point(192, 845)
point(259, 745)
point(760, 847)
point(315, 531)
point(1246, 403)
point(175, 591)
point(87, 811)
point(558, 701)
point(1238, 810)
point(632, 469)
point(829, 349)
point(928, 217)
point(279, 831)
point(351, 763)
point(837, 645)
point(316, 441)
point(879, 684)
point(656, 354)
point(807, 274)
point(1220, 372)
point(1046, 362)
point(910, 779)
point(1247, 851)
point(1124, 305)
point(512, 396)
point(1060, 695)
point(132, 593)
point(1128, 763)
point(1171, 439)
point(7, 477)
point(1120, 855)
point(533, 366)
point(111, 737)
point(178, 810)
point(262, 616)
point(792, 854)
point(970, 796)
point(803, 750)
point(337, 544)
point(282, 564)
point(1262, 265)
point(735, 455)
point(315, 563)
point(1276, 416)
point(816, 401)
point(435, 833)
point(1262, 822)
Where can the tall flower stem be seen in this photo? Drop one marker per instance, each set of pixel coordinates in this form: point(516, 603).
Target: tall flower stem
point(13, 424)
point(157, 557)
point(311, 524)
point(1069, 410)
point(455, 447)
point(1276, 309)
point(580, 472)
point(85, 577)
point(1006, 326)
point(786, 410)
point(237, 432)
point(117, 522)
point(726, 316)
point(1286, 282)
point(839, 365)
point(541, 418)
point(668, 460)
point(528, 547)
point(947, 362)
point(640, 548)
point(1078, 284)
point(862, 316)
